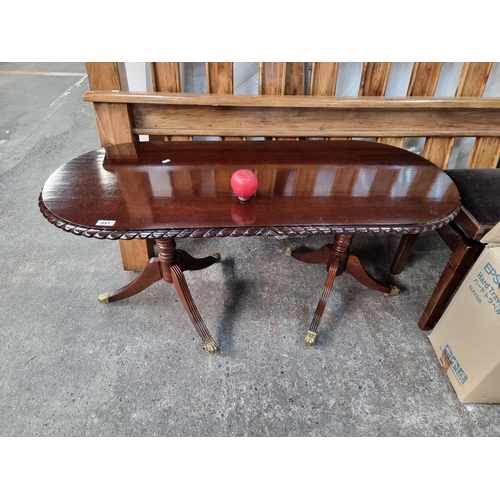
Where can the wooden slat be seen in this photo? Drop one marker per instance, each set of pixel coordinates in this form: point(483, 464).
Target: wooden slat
point(472, 82)
point(220, 80)
point(473, 79)
point(323, 82)
point(486, 150)
point(249, 101)
point(424, 78)
point(272, 78)
point(295, 84)
point(374, 78)
point(106, 76)
point(295, 78)
point(485, 153)
point(135, 253)
point(324, 77)
point(288, 121)
point(166, 76)
point(114, 123)
point(423, 82)
point(438, 150)
point(219, 77)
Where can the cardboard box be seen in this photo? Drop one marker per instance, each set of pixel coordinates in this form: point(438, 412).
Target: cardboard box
point(467, 337)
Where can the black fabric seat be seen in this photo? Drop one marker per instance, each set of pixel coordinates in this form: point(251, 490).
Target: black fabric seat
point(479, 190)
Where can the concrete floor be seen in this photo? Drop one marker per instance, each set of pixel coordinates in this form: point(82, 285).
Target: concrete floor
point(70, 366)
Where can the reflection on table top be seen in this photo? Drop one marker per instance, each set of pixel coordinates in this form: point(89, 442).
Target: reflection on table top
point(153, 186)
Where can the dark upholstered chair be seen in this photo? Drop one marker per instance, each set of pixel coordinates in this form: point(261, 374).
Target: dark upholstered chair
point(480, 193)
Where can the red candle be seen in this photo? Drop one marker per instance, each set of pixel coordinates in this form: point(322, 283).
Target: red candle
point(244, 183)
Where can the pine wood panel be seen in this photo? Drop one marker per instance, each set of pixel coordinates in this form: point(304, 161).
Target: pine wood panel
point(424, 78)
point(295, 78)
point(485, 153)
point(324, 77)
point(219, 77)
point(114, 123)
point(272, 78)
point(472, 82)
point(106, 76)
point(276, 121)
point(249, 101)
point(473, 79)
point(423, 82)
point(220, 80)
point(438, 150)
point(166, 76)
point(486, 150)
point(273, 81)
point(374, 78)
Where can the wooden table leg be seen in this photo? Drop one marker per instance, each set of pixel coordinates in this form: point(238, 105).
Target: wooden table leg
point(337, 259)
point(404, 248)
point(358, 272)
point(182, 288)
point(169, 266)
point(464, 254)
point(149, 275)
point(312, 333)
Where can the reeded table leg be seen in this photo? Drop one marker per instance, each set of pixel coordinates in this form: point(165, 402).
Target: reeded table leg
point(337, 259)
point(312, 333)
point(169, 266)
point(182, 288)
point(149, 275)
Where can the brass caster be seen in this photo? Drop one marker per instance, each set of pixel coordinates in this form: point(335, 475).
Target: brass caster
point(210, 346)
point(217, 257)
point(288, 252)
point(310, 339)
point(394, 291)
point(104, 298)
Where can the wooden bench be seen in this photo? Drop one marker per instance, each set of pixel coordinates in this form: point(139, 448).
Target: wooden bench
point(298, 101)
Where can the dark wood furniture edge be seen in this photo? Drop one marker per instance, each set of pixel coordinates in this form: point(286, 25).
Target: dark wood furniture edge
point(109, 234)
point(471, 225)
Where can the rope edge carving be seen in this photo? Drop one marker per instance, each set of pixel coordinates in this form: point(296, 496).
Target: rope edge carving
point(281, 231)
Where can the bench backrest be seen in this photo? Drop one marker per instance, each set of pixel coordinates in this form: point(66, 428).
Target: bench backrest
point(298, 101)
point(294, 103)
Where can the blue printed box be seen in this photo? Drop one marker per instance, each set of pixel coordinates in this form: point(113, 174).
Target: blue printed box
point(467, 337)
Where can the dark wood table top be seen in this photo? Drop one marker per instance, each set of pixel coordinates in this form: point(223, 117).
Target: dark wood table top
point(181, 189)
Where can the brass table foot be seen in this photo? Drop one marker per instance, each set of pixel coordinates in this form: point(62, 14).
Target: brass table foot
point(104, 298)
point(394, 291)
point(217, 257)
point(310, 339)
point(288, 252)
point(210, 346)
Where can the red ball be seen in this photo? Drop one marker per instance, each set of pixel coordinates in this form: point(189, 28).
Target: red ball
point(244, 183)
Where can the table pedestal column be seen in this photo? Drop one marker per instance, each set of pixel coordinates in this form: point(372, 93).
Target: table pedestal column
point(337, 259)
point(169, 266)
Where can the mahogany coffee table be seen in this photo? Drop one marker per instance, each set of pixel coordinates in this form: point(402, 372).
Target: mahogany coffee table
point(168, 190)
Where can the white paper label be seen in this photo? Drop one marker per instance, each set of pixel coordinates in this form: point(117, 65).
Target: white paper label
point(105, 223)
